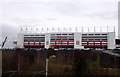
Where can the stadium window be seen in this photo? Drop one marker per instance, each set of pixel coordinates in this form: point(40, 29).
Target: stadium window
point(58, 39)
point(58, 34)
point(31, 35)
point(104, 34)
point(26, 35)
point(104, 39)
point(64, 39)
point(84, 34)
point(42, 35)
point(64, 34)
point(84, 39)
point(25, 40)
point(97, 34)
point(31, 40)
point(71, 39)
point(36, 40)
point(71, 34)
point(117, 41)
point(91, 34)
point(52, 39)
point(91, 39)
point(52, 34)
point(97, 39)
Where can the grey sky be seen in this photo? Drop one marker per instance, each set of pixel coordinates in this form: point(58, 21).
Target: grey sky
point(57, 13)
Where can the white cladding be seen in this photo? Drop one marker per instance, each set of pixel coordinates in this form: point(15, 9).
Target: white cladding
point(111, 40)
point(47, 40)
point(119, 20)
point(20, 40)
point(78, 41)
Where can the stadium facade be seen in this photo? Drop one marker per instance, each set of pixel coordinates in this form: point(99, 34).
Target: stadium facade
point(76, 40)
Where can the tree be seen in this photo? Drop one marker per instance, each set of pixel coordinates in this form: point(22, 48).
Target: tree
point(80, 66)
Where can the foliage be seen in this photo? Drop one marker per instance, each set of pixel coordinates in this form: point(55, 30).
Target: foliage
point(32, 57)
point(80, 66)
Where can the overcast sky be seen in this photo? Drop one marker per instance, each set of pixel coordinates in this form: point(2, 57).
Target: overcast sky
point(56, 13)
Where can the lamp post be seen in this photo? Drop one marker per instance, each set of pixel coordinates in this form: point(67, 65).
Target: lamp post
point(46, 68)
point(46, 64)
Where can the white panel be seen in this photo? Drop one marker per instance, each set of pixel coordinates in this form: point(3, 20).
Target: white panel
point(78, 38)
point(47, 40)
point(25, 42)
point(36, 42)
point(20, 40)
point(111, 40)
point(31, 42)
point(91, 42)
point(119, 19)
point(53, 42)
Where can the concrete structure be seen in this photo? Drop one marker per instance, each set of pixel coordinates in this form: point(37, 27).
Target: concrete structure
point(20, 40)
point(76, 40)
point(118, 40)
point(47, 40)
point(111, 40)
point(119, 20)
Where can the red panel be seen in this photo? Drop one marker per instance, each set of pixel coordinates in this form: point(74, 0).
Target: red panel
point(41, 44)
point(90, 44)
point(25, 44)
point(33, 44)
point(93, 41)
point(84, 44)
point(61, 45)
point(77, 42)
point(104, 45)
point(100, 43)
point(36, 45)
point(94, 45)
point(62, 40)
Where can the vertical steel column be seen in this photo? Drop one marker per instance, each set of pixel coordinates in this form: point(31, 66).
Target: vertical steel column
point(46, 69)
